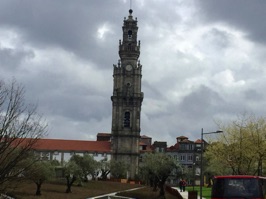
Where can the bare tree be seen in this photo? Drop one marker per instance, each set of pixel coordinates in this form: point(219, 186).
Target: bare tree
point(20, 129)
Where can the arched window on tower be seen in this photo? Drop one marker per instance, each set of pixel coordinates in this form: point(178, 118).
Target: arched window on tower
point(129, 33)
point(127, 119)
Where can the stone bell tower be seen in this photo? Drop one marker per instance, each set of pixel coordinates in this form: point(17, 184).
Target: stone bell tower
point(127, 99)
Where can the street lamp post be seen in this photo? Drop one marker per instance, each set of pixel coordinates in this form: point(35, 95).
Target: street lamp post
point(193, 175)
point(201, 158)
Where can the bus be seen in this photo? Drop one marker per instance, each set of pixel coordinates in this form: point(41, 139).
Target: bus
point(239, 187)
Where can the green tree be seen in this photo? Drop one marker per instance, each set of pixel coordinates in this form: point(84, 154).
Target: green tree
point(157, 167)
point(39, 173)
point(20, 129)
point(87, 165)
point(118, 169)
point(105, 168)
point(72, 173)
point(241, 149)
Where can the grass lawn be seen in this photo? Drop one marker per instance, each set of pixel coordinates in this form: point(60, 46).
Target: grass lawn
point(145, 193)
point(206, 191)
point(26, 190)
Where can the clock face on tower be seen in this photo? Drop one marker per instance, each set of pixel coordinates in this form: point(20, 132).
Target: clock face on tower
point(128, 67)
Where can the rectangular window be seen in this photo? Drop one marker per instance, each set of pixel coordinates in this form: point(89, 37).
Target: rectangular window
point(182, 158)
point(190, 158)
point(182, 146)
point(127, 119)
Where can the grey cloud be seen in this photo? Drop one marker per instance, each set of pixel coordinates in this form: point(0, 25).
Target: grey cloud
point(150, 90)
point(253, 95)
point(58, 95)
point(218, 38)
point(11, 58)
point(243, 14)
point(200, 103)
point(72, 25)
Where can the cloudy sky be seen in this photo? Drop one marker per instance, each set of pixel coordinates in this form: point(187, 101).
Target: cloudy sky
point(203, 61)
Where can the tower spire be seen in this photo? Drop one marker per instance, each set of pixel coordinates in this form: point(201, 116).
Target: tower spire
point(130, 9)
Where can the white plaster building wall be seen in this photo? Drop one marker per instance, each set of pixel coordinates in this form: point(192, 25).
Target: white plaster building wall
point(57, 156)
point(65, 156)
point(102, 156)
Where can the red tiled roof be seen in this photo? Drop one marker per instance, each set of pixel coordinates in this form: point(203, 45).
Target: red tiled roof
point(72, 145)
point(198, 141)
point(173, 147)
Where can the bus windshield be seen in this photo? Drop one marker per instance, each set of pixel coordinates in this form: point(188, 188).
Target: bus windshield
point(237, 188)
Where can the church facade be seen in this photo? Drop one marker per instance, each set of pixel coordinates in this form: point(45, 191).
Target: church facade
point(127, 99)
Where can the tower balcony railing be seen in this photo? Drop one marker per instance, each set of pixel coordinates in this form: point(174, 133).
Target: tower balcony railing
point(129, 48)
point(134, 95)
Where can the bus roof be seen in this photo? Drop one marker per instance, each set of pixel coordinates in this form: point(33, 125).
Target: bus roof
point(239, 176)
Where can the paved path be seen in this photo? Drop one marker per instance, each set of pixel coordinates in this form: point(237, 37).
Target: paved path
point(184, 194)
point(113, 194)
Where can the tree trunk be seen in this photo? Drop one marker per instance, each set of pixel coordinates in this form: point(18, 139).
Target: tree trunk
point(70, 182)
point(68, 190)
point(210, 181)
point(161, 185)
point(86, 178)
point(38, 190)
point(155, 184)
point(105, 174)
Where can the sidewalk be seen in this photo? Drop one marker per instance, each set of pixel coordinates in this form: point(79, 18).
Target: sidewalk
point(184, 194)
point(112, 195)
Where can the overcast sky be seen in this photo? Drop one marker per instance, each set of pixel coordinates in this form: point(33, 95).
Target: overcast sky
point(202, 61)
